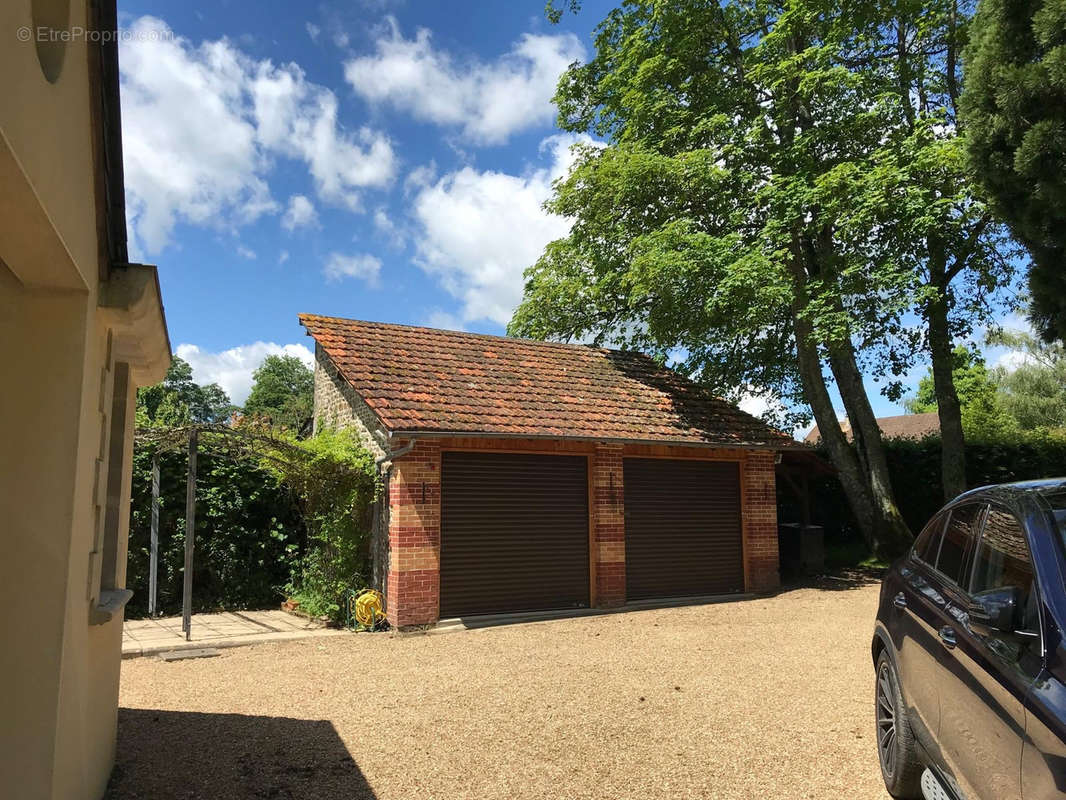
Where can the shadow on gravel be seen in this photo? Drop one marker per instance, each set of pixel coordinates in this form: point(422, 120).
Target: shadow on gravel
point(839, 581)
point(179, 754)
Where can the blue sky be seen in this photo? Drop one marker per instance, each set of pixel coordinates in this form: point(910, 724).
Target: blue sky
point(373, 160)
point(370, 159)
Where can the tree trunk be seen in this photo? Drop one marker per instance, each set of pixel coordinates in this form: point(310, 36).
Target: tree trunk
point(892, 536)
point(849, 471)
point(949, 410)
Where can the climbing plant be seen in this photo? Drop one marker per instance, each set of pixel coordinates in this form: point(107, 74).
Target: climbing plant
point(276, 516)
point(335, 482)
point(249, 532)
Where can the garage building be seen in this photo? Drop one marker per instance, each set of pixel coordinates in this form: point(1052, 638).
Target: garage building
point(530, 476)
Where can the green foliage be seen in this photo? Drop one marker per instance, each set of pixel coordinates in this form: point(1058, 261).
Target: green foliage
point(283, 393)
point(1014, 108)
point(335, 480)
point(1034, 392)
point(178, 400)
point(686, 223)
point(781, 194)
point(999, 403)
point(915, 469)
point(249, 532)
point(971, 382)
point(984, 414)
point(554, 12)
point(276, 515)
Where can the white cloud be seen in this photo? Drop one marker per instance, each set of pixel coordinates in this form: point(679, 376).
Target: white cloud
point(479, 231)
point(299, 119)
point(313, 31)
point(420, 177)
point(202, 125)
point(756, 405)
point(765, 405)
point(1010, 360)
point(488, 101)
point(361, 265)
point(246, 252)
point(283, 256)
point(1000, 356)
point(232, 369)
point(199, 166)
point(444, 320)
point(300, 213)
point(388, 229)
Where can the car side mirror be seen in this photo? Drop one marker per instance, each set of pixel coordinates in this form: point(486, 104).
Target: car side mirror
point(995, 610)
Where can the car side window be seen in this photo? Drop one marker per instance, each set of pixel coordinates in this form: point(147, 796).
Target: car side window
point(1003, 561)
point(928, 542)
point(957, 544)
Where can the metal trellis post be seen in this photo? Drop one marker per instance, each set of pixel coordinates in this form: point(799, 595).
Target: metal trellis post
point(153, 562)
point(190, 536)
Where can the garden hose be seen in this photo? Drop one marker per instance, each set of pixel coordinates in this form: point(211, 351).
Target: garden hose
point(369, 608)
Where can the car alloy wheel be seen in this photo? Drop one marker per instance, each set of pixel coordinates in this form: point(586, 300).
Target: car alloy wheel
point(887, 723)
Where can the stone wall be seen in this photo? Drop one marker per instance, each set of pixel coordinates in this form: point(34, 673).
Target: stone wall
point(338, 406)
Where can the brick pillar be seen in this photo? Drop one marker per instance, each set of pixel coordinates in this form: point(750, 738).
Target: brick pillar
point(414, 537)
point(609, 526)
point(760, 521)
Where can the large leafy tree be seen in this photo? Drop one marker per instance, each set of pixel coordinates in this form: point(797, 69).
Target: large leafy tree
point(179, 400)
point(1034, 392)
point(283, 392)
point(745, 215)
point(919, 204)
point(985, 415)
point(1015, 110)
point(972, 381)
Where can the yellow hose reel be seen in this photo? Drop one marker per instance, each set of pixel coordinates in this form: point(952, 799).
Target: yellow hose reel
point(369, 608)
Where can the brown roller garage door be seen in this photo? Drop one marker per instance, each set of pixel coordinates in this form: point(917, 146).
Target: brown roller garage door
point(683, 534)
point(514, 533)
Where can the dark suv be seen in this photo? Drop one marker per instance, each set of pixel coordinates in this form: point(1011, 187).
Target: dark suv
point(970, 652)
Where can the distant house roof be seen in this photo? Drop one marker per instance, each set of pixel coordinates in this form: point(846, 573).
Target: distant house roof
point(428, 380)
point(903, 426)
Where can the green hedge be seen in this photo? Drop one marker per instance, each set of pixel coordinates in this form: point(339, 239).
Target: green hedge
point(915, 470)
point(249, 533)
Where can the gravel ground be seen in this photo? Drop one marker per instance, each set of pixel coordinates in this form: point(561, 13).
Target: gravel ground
point(767, 698)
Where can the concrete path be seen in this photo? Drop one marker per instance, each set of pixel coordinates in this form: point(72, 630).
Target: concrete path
point(142, 637)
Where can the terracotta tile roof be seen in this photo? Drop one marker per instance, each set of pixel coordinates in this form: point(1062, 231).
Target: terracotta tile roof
point(423, 379)
point(903, 426)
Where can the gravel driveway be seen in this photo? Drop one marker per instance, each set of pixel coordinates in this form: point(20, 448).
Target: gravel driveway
point(761, 698)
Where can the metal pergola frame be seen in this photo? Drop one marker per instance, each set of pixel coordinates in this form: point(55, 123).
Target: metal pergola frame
point(249, 443)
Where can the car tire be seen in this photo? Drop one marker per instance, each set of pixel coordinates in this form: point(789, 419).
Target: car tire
point(896, 749)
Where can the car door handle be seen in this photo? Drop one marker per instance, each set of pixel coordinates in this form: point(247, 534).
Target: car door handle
point(947, 636)
point(900, 600)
